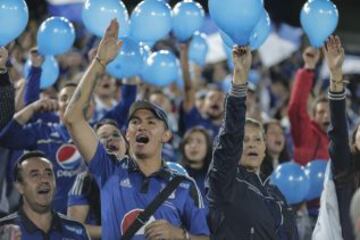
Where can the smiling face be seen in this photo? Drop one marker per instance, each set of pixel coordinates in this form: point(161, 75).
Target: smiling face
point(112, 139)
point(253, 148)
point(37, 185)
point(275, 139)
point(214, 104)
point(146, 134)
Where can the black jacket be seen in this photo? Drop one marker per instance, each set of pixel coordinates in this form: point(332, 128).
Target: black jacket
point(342, 164)
point(241, 206)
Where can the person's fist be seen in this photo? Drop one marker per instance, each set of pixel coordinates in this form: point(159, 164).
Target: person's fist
point(45, 105)
point(161, 229)
point(35, 57)
point(311, 57)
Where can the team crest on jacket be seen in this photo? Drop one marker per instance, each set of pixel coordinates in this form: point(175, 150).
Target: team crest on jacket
point(68, 157)
point(130, 217)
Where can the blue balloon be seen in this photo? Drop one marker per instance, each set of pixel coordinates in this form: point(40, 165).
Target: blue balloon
point(56, 35)
point(237, 18)
point(188, 17)
point(292, 181)
point(226, 40)
point(97, 15)
point(150, 21)
point(14, 15)
point(198, 48)
point(228, 52)
point(49, 71)
point(161, 68)
point(261, 31)
point(315, 170)
point(177, 168)
point(145, 50)
point(128, 62)
point(319, 19)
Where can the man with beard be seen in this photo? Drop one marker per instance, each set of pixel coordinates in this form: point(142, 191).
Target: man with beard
point(129, 185)
point(309, 135)
point(213, 107)
point(35, 181)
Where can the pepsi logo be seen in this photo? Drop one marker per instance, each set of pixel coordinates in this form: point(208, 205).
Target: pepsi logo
point(130, 217)
point(68, 157)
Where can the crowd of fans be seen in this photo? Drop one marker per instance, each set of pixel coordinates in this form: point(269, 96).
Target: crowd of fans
point(94, 132)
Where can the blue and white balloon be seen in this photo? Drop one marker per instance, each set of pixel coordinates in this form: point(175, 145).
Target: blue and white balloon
point(56, 35)
point(188, 17)
point(198, 48)
point(49, 71)
point(97, 15)
point(161, 68)
point(150, 21)
point(319, 19)
point(261, 31)
point(237, 18)
point(14, 16)
point(128, 62)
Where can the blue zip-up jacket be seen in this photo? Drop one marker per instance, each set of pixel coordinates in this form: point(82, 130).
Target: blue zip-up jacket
point(341, 161)
point(242, 207)
point(61, 227)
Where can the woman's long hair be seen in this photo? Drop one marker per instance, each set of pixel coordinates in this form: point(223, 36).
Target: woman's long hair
point(267, 165)
point(207, 159)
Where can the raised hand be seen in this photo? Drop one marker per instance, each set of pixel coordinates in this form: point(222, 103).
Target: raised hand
point(334, 55)
point(35, 57)
point(110, 44)
point(242, 62)
point(3, 57)
point(311, 57)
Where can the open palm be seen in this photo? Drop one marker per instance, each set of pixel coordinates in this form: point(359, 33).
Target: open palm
point(110, 44)
point(334, 53)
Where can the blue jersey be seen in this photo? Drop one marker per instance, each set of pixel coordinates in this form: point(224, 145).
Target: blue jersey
point(54, 140)
point(85, 192)
point(125, 192)
point(193, 118)
point(61, 227)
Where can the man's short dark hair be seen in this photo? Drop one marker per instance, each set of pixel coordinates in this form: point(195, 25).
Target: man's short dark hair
point(24, 157)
